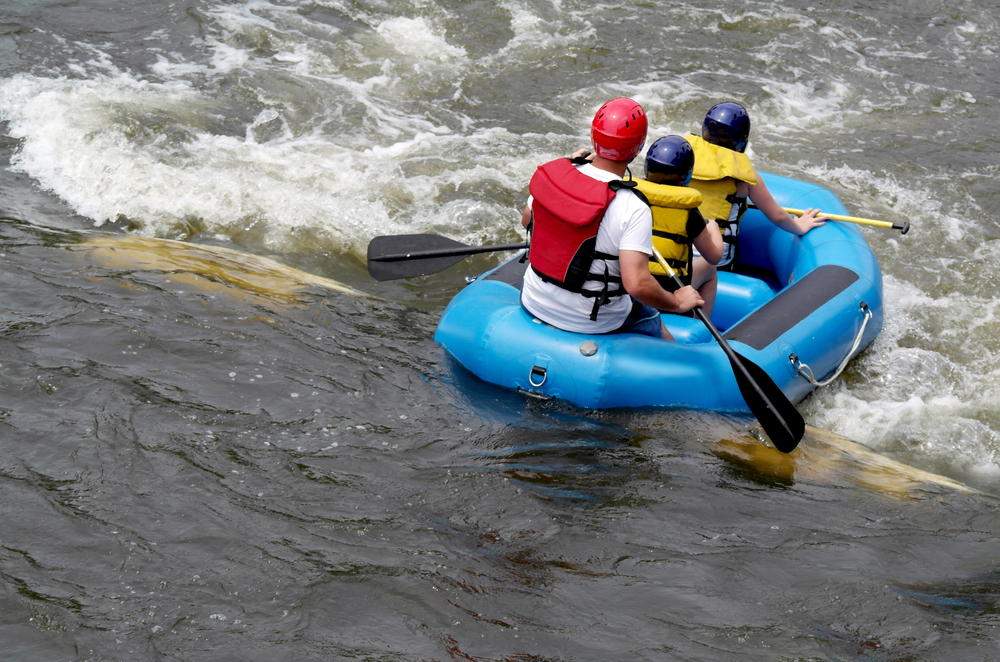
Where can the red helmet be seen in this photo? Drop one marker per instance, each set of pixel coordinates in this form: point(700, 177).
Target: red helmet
point(619, 130)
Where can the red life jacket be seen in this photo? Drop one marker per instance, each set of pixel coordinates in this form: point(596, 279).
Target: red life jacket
point(566, 212)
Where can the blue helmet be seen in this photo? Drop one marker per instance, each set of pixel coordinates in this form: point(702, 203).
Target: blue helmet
point(727, 124)
point(670, 160)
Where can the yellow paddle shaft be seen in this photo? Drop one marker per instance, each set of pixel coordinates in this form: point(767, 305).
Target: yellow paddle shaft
point(854, 219)
point(663, 263)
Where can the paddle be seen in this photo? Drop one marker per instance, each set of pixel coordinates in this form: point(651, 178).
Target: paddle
point(408, 255)
point(903, 229)
point(776, 414)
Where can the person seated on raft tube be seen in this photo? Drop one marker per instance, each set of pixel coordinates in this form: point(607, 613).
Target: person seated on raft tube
point(724, 176)
point(592, 237)
point(677, 223)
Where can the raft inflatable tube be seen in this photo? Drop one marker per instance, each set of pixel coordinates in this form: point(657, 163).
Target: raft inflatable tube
point(798, 307)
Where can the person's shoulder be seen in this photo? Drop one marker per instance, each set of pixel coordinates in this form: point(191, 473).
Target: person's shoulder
point(634, 195)
point(631, 203)
point(593, 171)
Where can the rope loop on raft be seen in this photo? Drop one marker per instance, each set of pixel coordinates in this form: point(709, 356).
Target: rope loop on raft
point(804, 370)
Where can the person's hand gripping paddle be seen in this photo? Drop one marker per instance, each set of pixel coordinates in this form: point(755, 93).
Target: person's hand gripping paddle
point(777, 415)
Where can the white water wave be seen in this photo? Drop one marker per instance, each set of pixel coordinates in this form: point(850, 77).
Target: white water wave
point(928, 387)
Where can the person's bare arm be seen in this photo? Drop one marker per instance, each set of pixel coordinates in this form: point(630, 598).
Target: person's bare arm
point(638, 282)
point(526, 216)
point(764, 201)
point(709, 242)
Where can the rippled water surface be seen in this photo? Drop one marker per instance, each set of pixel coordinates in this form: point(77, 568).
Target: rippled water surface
point(220, 439)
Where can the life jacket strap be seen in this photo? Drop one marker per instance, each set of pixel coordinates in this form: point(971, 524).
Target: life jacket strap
point(631, 185)
point(740, 203)
point(672, 236)
point(601, 297)
point(605, 278)
point(678, 265)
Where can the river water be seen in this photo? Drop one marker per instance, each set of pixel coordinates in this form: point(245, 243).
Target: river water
point(221, 440)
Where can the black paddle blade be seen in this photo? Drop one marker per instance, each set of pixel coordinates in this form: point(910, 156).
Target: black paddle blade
point(388, 256)
point(781, 421)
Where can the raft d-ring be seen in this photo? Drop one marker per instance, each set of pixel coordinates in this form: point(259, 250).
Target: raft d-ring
point(537, 370)
point(804, 370)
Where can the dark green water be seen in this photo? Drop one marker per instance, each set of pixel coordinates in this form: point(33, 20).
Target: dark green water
point(200, 460)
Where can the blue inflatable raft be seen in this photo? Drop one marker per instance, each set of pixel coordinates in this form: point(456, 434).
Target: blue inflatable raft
point(799, 307)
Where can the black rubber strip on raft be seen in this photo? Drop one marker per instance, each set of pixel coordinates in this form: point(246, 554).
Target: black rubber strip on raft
point(791, 306)
point(511, 273)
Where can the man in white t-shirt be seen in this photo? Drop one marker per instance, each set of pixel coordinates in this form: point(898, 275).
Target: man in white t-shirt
point(618, 133)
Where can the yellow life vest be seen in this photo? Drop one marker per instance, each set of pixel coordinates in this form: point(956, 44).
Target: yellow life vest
point(716, 170)
point(670, 206)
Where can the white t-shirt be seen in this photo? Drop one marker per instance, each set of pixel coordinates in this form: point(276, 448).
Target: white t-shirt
point(627, 225)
